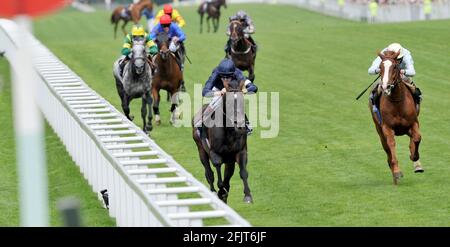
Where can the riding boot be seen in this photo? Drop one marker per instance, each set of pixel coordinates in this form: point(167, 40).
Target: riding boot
point(122, 65)
point(248, 126)
point(417, 98)
point(375, 98)
point(227, 48)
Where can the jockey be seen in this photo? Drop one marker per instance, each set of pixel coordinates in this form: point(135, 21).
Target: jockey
point(249, 28)
point(176, 37)
point(168, 10)
point(137, 32)
point(214, 85)
point(407, 71)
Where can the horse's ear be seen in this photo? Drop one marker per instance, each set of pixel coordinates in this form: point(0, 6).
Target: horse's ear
point(381, 55)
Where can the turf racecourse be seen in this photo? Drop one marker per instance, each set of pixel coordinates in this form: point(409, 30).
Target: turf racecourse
point(326, 167)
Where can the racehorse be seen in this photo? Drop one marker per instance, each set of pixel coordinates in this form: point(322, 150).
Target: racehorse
point(125, 14)
point(135, 83)
point(397, 114)
point(213, 10)
point(241, 51)
point(168, 76)
point(225, 143)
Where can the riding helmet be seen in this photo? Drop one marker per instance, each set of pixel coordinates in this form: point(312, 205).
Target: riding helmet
point(137, 30)
point(226, 67)
point(168, 9)
point(165, 19)
point(395, 47)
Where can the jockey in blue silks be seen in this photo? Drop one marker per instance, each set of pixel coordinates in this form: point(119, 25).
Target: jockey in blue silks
point(214, 86)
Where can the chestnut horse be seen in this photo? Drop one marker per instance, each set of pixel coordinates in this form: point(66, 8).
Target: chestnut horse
point(168, 76)
point(397, 114)
point(225, 141)
point(119, 13)
point(241, 51)
point(213, 11)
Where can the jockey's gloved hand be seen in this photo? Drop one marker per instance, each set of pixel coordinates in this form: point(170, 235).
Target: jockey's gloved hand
point(377, 70)
point(172, 47)
point(153, 50)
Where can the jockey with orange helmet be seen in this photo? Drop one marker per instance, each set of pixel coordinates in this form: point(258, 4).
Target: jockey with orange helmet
point(176, 37)
point(173, 13)
point(407, 71)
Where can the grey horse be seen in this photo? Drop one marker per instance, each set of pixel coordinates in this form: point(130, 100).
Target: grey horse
point(135, 83)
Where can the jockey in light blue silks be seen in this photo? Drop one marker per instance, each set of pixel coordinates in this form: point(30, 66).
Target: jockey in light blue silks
point(407, 71)
point(214, 88)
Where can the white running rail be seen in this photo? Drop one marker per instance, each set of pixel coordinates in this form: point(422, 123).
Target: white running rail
point(146, 186)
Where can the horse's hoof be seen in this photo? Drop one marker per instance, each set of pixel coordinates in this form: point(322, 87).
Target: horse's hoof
point(149, 128)
point(417, 167)
point(396, 177)
point(248, 199)
point(418, 170)
point(131, 117)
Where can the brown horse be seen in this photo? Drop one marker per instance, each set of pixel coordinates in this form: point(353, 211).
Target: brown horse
point(168, 76)
point(225, 141)
point(397, 114)
point(213, 11)
point(241, 51)
point(135, 11)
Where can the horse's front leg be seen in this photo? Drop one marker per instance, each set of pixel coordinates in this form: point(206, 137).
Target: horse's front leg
point(242, 161)
point(126, 107)
point(392, 158)
point(201, 23)
point(115, 29)
point(207, 22)
point(217, 162)
point(147, 102)
point(415, 138)
point(156, 98)
point(229, 171)
point(175, 115)
point(123, 28)
point(204, 158)
point(217, 24)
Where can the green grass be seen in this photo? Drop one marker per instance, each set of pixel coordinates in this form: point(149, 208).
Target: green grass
point(61, 171)
point(326, 167)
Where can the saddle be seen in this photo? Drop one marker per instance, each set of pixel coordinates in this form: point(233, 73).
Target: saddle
point(126, 13)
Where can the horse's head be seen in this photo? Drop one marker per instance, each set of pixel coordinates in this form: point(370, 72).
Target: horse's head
point(236, 31)
point(234, 107)
point(389, 71)
point(162, 40)
point(223, 2)
point(138, 55)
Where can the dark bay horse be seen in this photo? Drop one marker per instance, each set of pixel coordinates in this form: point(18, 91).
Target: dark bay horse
point(398, 114)
point(135, 83)
point(225, 141)
point(126, 15)
point(241, 51)
point(168, 76)
point(213, 11)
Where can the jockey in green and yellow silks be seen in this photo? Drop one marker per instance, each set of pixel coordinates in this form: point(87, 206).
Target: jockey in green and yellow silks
point(137, 33)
